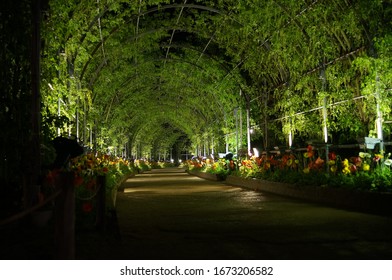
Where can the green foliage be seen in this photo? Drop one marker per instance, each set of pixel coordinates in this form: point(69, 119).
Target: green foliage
point(185, 69)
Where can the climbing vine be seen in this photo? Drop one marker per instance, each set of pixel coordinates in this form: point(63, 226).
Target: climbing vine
point(122, 65)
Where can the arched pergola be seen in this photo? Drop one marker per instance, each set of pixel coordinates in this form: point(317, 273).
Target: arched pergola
point(202, 67)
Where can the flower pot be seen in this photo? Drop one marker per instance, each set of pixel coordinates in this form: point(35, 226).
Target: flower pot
point(370, 142)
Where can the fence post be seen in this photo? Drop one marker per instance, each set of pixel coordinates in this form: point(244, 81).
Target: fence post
point(65, 218)
point(101, 203)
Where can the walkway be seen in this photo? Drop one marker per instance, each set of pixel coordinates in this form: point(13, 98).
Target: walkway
point(168, 214)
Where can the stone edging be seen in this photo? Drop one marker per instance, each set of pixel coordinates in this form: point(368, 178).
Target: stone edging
point(205, 175)
point(368, 202)
point(120, 187)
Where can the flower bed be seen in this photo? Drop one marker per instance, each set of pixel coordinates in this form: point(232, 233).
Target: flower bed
point(87, 169)
point(208, 168)
point(365, 171)
point(369, 202)
point(362, 182)
point(142, 165)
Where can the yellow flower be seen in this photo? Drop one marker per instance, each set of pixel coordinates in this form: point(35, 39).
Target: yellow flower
point(365, 167)
point(346, 170)
point(306, 170)
point(334, 168)
point(331, 162)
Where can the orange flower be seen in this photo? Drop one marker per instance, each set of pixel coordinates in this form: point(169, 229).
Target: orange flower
point(319, 162)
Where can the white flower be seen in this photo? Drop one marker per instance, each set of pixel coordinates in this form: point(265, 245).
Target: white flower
point(388, 162)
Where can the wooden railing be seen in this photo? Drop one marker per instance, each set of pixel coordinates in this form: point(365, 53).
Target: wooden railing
point(64, 200)
point(64, 216)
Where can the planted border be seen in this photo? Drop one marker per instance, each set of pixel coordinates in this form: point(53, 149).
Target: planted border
point(369, 202)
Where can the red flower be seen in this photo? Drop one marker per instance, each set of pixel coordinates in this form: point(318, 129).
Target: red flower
point(376, 158)
point(332, 156)
point(356, 160)
point(231, 165)
point(87, 207)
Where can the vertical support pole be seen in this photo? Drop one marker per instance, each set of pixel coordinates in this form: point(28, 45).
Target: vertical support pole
point(236, 134)
point(248, 128)
point(240, 141)
point(326, 133)
point(65, 217)
point(212, 147)
point(58, 114)
point(379, 116)
point(85, 120)
point(325, 118)
point(95, 138)
point(91, 136)
point(204, 147)
point(240, 125)
point(290, 136)
point(226, 138)
point(227, 143)
point(325, 129)
point(77, 119)
point(265, 123)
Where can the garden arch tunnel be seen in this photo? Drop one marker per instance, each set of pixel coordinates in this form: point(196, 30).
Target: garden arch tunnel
point(104, 61)
point(126, 66)
point(157, 74)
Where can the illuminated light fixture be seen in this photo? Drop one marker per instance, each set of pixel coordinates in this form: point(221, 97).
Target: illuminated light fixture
point(379, 128)
point(325, 134)
point(256, 152)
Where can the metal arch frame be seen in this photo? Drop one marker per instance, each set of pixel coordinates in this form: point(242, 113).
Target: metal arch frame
point(124, 84)
point(190, 6)
point(155, 9)
point(137, 126)
point(151, 31)
point(170, 6)
point(266, 40)
point(159, 59)
point(223, 67)
point(182, 6)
